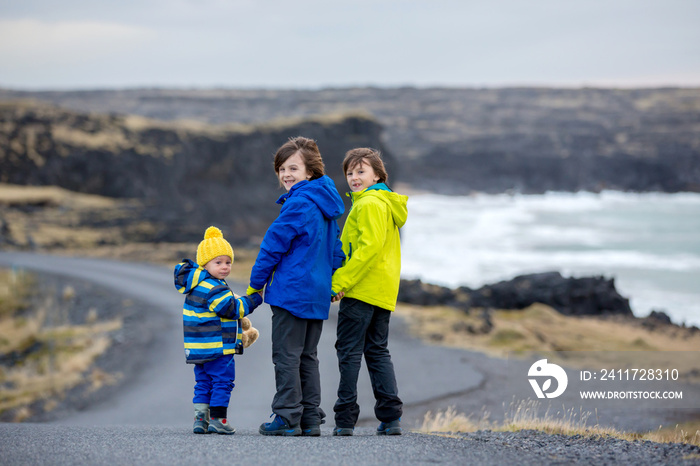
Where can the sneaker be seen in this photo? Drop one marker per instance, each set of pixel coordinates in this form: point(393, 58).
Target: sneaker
point(201, 418)
point(311, 431)
point(201, 426)
point(343, 431)
point(279, 426)
point(219, 425)
point(390, 428)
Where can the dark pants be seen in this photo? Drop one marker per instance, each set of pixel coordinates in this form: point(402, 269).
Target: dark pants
point(294, 354)
point(364, 329)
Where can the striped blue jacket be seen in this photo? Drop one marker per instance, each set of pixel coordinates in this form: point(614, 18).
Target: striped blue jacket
point(211, 314)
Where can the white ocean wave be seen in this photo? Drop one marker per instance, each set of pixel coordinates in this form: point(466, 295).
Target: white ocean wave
point(481, 239)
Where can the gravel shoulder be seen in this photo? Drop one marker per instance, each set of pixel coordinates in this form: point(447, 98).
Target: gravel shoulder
point(40, 444)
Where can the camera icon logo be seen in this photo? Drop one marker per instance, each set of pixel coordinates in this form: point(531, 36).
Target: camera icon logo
point(547, 371)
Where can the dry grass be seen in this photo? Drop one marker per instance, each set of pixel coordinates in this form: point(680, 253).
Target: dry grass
point(57, 227)
point(451, 421)
point(15, 288)
point(526, 415)
point(168, 254)
point(541, 328)
point(45, 355)
point(48, 218)
point(111, 139)
point(582, 341)
point(17, 195)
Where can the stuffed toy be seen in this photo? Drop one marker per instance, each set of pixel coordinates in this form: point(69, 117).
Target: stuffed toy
point(250, 333)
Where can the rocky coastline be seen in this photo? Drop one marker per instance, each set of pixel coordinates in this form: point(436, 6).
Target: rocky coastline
point(569, 296)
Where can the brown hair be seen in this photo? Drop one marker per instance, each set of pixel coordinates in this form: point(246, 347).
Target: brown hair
point(307, 149)
point(373, 157)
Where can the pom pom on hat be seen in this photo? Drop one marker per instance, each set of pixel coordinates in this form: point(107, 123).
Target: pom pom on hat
point(213, 246)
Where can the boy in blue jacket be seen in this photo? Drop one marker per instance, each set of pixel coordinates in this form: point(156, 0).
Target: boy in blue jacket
point(297, 257)
point(212, 329)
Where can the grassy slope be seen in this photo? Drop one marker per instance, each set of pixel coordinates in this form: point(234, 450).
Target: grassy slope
point(541, 329)
point(43, 353)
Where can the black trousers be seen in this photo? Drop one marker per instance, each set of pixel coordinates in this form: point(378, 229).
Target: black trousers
point(363, 329)
point(294, 354)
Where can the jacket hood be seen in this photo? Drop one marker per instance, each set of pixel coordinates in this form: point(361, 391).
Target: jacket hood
point(398, 203)
point(189, 275)
point(322, 192)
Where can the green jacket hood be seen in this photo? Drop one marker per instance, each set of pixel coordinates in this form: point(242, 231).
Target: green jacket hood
point(371, 240)
point(398, 203)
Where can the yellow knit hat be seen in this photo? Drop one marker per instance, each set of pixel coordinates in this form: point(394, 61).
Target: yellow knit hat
point(213, 246)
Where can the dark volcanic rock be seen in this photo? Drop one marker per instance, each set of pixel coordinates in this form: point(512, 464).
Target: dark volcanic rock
point(460, 140)
point(425, 294)
point(656, 319)
point(569, 296)
point(659, 316)
point(189, 176)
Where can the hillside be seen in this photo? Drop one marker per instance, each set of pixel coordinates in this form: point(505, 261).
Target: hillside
point(461, 140)
point(182, 175)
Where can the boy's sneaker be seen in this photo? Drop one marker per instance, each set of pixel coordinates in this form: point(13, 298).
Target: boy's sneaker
point(390, 428)
point(343, 431)
point(219, 425)
point(279, 426)
point(311, 431)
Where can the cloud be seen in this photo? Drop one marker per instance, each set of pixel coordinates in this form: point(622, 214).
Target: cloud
point(310, 43)
point(29, 42)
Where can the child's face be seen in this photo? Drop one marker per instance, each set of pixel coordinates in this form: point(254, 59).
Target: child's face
point(361, 176)
point(293, 171)
point(219, 267)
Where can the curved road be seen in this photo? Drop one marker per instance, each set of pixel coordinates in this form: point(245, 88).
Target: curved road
point(157, 407)
point(149, 421)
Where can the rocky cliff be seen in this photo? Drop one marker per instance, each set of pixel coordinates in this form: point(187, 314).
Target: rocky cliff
point(186, 175)
point(460, 140)
point(568, 295)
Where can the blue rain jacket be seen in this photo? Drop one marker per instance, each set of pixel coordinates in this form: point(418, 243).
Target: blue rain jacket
point(211, 314)
point(301, 250)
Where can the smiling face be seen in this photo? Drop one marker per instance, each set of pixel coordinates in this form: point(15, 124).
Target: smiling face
point(361, 176)
point(219, 267)
point(293, 171)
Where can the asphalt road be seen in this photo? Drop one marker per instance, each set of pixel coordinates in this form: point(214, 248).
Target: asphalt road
point(157, 404)
point(149, 421)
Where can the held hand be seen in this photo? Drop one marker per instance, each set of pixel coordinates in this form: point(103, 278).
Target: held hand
point(252, 290)
point(338, 297)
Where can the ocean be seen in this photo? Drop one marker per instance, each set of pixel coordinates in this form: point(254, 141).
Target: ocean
point(649, 243)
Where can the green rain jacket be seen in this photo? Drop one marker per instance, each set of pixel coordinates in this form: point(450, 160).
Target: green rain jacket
point(372, 246)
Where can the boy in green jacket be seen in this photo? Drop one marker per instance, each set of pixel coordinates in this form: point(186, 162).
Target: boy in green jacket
point(368, 284)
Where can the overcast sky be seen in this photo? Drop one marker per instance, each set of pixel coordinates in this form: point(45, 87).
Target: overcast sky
point(310, 44)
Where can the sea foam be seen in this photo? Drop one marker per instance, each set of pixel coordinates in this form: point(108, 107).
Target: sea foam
point(649, 242)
